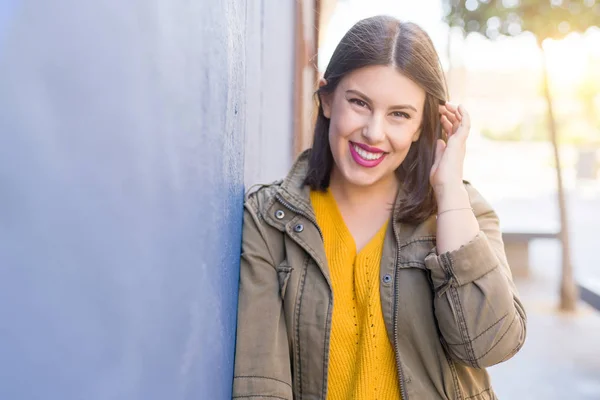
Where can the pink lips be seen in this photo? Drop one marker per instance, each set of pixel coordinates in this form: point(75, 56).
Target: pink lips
point(363, 162)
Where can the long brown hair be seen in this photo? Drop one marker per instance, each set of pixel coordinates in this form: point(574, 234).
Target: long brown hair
point(384, 40)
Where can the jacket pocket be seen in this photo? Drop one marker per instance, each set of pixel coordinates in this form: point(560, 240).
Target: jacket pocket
point(283, 275)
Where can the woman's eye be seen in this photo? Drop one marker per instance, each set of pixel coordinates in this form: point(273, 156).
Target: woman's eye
point(401, 114)
point(359, 102)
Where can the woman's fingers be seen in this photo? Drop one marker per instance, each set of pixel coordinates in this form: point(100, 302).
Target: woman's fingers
point(447, 125)
point(452, 110)
point(465, 123)
point(450, 114)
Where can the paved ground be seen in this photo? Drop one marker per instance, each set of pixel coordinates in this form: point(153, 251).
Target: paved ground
point(561, 357)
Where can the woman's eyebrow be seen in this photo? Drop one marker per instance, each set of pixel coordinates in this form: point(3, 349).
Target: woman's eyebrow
point(364, 96)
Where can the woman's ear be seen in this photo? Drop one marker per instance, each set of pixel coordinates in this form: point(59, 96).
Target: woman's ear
point(325, 99)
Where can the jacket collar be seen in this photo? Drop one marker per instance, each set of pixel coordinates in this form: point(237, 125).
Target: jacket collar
point(293, 190)
point(293, 194)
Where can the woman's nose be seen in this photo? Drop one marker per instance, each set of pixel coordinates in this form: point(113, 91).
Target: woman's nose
point(373, 131)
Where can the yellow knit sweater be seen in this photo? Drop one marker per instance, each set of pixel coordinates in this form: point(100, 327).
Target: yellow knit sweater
point(361, 357)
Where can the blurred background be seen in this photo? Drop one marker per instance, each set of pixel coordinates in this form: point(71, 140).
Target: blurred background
point(129, 132)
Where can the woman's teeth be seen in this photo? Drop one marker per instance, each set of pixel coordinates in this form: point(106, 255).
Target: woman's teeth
point(366, 154)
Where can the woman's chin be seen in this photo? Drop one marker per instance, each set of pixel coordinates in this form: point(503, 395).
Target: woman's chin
point(361, 179)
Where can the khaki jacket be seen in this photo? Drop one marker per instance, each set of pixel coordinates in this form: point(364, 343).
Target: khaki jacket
point(448, 316)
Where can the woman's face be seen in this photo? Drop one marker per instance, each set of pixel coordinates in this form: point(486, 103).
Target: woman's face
point(375, 115)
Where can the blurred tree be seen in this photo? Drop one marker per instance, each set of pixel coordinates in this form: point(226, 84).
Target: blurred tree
point(546, 19)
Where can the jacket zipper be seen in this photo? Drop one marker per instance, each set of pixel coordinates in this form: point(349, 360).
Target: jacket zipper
point(298, 211)
point(396, 337)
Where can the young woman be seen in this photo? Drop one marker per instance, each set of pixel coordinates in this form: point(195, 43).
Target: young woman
point(373, 271)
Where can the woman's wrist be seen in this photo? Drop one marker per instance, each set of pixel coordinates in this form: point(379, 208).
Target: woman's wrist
point(452, 197)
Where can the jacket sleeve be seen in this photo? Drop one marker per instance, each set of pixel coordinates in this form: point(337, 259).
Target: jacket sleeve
point(480, 316)
point(262, 358)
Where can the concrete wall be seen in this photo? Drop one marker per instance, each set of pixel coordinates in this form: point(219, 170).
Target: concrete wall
point(122, 133)
point(269, 84)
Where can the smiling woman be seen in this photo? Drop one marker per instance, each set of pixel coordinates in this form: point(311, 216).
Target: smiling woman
point(373, 106)
point(351, 287)
point(409, 100)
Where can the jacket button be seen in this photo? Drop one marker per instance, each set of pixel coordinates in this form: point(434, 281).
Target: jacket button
point(279, 214)
point(299, 228)
point(387, 278)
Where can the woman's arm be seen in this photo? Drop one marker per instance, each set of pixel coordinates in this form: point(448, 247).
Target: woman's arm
point(456, 222)
point(480, 316)
point(262, 358)
point(481, 320)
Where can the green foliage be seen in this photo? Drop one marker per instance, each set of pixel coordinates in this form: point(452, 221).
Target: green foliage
point(544, 18)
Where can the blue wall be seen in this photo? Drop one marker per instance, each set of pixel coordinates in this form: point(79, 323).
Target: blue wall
point(121, 181)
